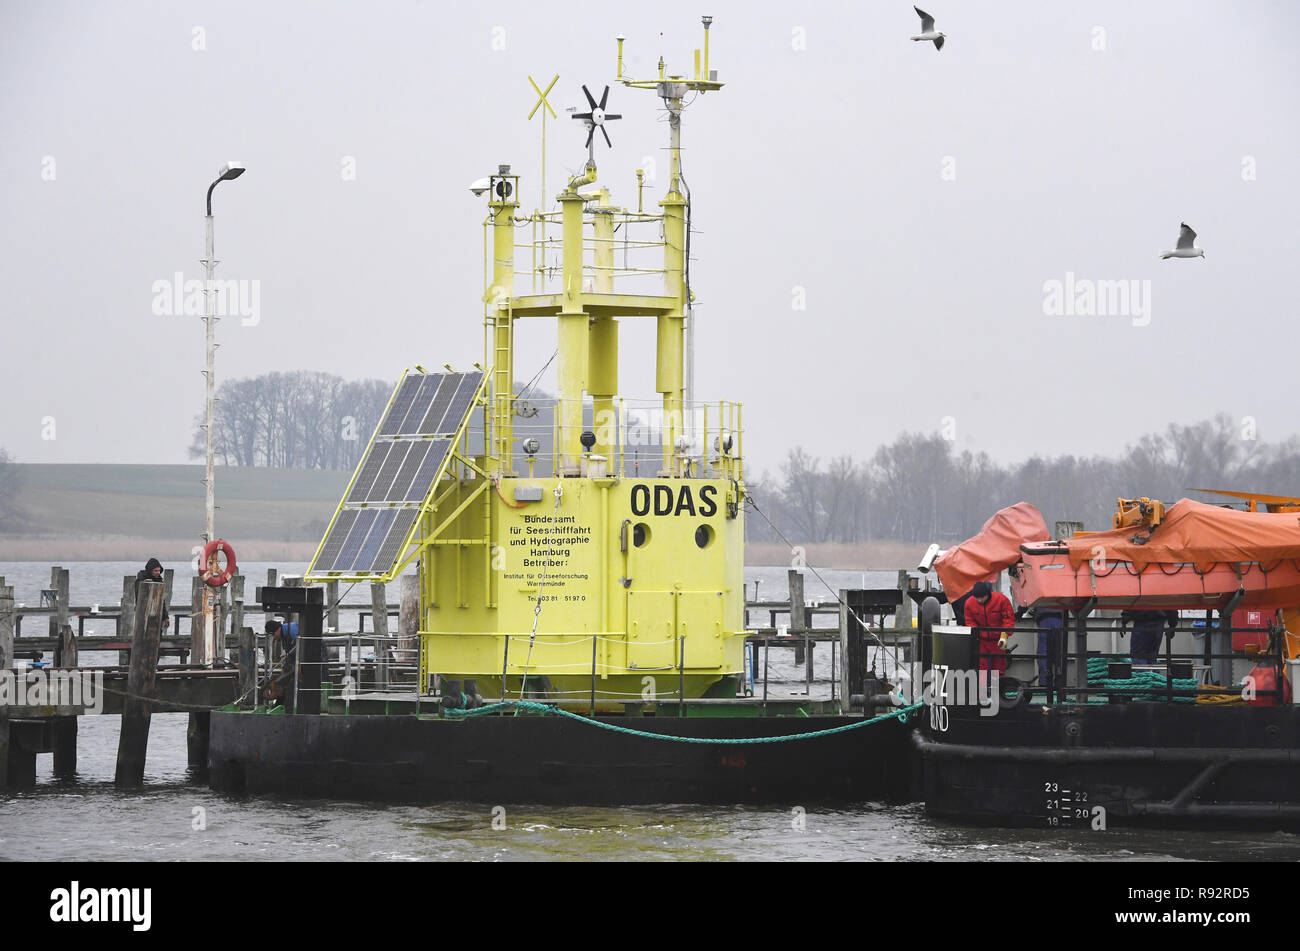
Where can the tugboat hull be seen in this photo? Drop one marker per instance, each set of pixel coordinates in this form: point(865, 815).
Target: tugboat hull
point(556, 760)
point(1136, 764)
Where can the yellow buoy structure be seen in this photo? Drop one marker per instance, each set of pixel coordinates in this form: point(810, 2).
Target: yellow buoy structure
point(586, 548)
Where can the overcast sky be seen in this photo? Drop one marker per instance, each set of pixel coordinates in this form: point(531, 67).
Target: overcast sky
point(920, 199)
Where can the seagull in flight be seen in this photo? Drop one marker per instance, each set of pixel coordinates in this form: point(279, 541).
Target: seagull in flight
point(1185, 249)
point(927, 30)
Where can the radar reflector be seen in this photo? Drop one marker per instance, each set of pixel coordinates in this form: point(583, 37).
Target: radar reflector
point(394, 483)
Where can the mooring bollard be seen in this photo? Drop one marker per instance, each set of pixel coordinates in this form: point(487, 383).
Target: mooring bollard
point(133, 742)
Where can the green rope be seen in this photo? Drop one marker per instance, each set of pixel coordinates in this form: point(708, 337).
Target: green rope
point(901, 715)
point(1149, 680)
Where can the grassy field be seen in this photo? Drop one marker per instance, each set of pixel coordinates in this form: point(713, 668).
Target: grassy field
point(106, 513)
point(110, 511)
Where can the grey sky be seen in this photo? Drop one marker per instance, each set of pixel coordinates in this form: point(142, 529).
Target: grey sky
point(819, 168)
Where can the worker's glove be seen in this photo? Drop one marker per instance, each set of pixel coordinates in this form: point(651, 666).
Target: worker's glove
point(1002, 643)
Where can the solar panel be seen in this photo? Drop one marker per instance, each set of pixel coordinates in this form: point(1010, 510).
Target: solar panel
point(365, 560)
point(348, 556)
point(392, 421)
point(329, 552)
point(406, 475)
point(439, 408)
point(420, 405)
point(392, 546)
point(409, 450)
point(428, 470)
point(370, 467)
point(456, 411)
point(396, 456)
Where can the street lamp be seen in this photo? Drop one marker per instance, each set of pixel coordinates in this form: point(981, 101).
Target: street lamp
point(208, 654)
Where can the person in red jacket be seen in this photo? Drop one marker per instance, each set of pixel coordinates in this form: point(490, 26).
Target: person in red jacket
point(990, 614)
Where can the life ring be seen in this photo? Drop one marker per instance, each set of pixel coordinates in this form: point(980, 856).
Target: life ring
point(218, 578)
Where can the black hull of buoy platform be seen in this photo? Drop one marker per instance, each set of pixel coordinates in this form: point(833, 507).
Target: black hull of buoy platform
point(555, 760)
point(1093, 767)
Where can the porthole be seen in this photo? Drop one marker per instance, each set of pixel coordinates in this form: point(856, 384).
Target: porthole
point(640, 534)
point(704, 536)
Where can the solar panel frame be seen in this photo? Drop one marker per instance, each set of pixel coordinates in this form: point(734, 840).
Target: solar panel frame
point(392, 421)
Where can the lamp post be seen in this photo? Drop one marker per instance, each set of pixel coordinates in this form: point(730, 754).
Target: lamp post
point(208, 653)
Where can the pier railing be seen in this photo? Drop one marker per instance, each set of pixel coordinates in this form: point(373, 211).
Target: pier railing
point(1091, 661)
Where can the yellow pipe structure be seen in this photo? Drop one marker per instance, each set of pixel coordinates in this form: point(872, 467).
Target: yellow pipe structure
point(501, 360)
point(602, 375)
point(574, 335)
point(669, 372)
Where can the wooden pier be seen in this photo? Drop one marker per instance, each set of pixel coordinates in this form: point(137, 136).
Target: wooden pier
point(144, 681)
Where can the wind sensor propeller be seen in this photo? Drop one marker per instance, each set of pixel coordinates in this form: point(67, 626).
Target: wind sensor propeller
point(597, 117)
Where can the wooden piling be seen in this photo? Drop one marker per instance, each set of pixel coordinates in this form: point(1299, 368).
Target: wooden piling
point(237, 604)
point(903, 616)
point(379, 614)
point(272, 577)
point(137, 706)
point(797, 616)
point(247, 668)
point(126, 623)
point(408, 625)
point(198, 653)
point(59, 582)
point(6, 662)
point(196, 739)
point(63, 733)
point(332, 605)
point(65, 655)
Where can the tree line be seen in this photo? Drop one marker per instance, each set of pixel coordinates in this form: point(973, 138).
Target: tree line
point(293, 420)
point(919, 489)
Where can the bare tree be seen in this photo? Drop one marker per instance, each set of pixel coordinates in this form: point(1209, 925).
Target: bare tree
point(11, 481)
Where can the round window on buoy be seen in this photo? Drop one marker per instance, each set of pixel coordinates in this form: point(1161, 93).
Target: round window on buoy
point(640, 534)
point(704, 536)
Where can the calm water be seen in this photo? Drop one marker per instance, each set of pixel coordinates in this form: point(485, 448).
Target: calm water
point(174, 819)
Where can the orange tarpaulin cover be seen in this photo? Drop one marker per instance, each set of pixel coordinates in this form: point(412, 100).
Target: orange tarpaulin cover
point(996, 547)
point(1198, 533)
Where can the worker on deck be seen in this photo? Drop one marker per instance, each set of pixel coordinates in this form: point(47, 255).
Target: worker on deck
point(1050, 623)
point(989, 614)
point(1148, 626)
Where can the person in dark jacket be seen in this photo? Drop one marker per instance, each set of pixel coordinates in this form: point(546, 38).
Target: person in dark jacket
point(989, 613)
point(282, 686)
point(152, 571)
point(1148, 626)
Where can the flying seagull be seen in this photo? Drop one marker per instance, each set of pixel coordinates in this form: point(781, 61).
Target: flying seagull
point(927, 29)
point(1184, 250)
